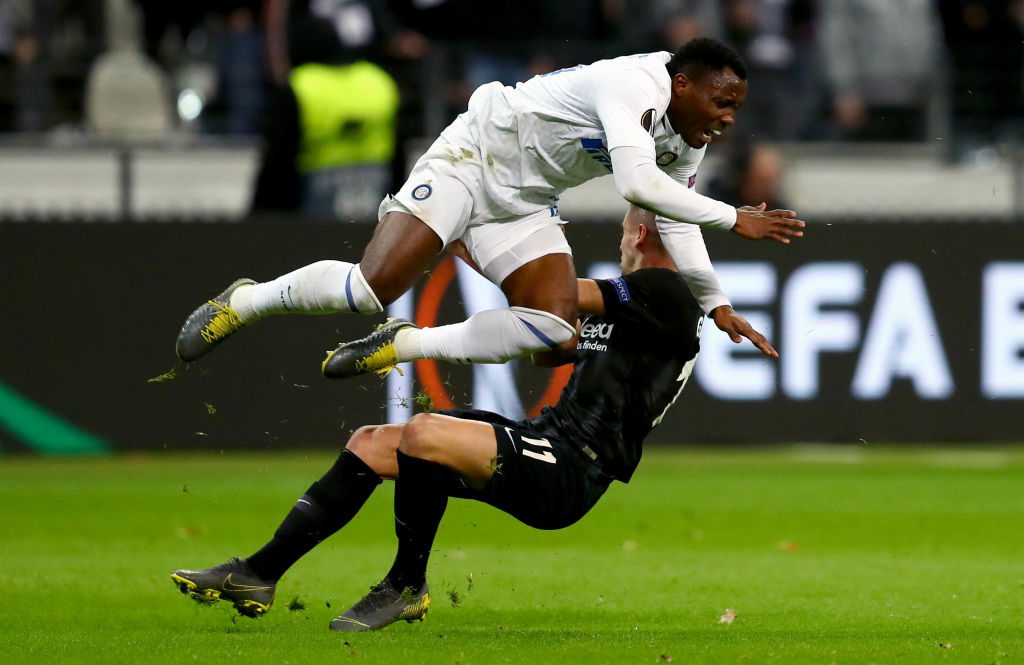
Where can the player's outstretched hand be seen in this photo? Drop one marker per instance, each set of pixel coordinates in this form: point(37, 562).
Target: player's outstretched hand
point(736, 327)
point(757, 223)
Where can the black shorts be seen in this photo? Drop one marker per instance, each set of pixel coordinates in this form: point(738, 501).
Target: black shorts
point(542, 482)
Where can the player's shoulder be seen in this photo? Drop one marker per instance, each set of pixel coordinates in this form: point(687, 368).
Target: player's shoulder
point(651, 64)
point(653, 300)
point(654, 60)
point(651, 288)
point(657, 281)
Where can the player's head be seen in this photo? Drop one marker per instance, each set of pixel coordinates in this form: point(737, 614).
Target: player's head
point(641, 245)
point(709, 84)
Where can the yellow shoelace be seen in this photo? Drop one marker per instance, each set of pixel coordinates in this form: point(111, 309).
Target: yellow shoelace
point(224, 322)
point(382, 361)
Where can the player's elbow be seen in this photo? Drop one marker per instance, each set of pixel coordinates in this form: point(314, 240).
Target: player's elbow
point(628, 185)
point(634, 193)
point(638, 185)
point(641, 193)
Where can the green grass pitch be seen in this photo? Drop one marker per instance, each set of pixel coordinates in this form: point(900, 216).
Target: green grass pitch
point(825, 554)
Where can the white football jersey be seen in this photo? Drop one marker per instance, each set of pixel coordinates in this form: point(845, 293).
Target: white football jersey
point(555, 131)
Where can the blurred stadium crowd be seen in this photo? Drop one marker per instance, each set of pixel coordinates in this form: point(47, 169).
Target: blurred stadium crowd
point(387, 72)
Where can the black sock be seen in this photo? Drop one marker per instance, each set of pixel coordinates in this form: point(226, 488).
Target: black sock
point(326, 506)
point(421, 496)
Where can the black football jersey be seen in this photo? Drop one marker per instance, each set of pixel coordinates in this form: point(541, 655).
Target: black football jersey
point(631, 365)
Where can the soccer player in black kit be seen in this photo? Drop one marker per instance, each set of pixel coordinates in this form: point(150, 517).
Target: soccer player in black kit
point(633, 353)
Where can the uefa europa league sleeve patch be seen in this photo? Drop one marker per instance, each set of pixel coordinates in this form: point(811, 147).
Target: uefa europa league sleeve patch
point(621, 290)
point(647, 121)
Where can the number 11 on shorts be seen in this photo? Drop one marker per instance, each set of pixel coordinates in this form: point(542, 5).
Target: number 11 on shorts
point(544, 455)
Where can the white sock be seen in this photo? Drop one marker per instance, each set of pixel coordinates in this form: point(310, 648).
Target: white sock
point(407, 343)
point(324, 287)
point(241, 302)
point(491, 336)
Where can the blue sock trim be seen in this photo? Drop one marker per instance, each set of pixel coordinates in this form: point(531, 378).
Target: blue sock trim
point(541, 336)
point(348, 291)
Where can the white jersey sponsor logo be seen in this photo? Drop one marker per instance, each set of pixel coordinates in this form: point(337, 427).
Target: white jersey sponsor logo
point(592, 333)
point(596, 330)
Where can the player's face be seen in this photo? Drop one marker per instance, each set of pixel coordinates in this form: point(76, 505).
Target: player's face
point(701, 108)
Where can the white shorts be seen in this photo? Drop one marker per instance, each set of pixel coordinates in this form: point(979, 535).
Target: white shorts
point(445, 190)
point(498, 247)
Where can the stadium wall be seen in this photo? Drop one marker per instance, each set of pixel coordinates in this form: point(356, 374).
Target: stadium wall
point(888, 333)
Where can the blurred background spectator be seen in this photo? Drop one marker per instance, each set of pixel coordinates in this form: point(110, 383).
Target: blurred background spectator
point(241, 72)
point(8, 48)
point(473, 43)
point(47, 47)
point(662, 25)
point(752, 174)
point(985, 39)
point(331, 135)
point(882, 59)
point(777, 39)
point(214, 55)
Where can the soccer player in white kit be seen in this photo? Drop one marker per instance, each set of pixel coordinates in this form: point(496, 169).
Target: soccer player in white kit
point(491, 181)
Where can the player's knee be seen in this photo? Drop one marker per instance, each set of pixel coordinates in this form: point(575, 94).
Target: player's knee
point(547, 284)
point(566, 312)
point(361, 440)
point(375, 445)
point(422, 436)
point(384, 284)
point(548, 327)
point(564, 308)
point(402, 247)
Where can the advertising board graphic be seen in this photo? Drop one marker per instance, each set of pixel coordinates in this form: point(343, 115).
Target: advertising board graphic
point(887, 333)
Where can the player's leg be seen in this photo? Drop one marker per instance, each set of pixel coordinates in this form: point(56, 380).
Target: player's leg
point(332, 501)
point(402, 247)
point(544, 483)
point(431, 209)
point(328, 504)
point(437, 456)
point(531, 261)
point(465, 449)
point(542, 300)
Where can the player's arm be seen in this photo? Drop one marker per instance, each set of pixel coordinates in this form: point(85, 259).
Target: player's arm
point(589, 297)
point(624, 105)
point(685, 245)
point(626, 110)
point(642, 183)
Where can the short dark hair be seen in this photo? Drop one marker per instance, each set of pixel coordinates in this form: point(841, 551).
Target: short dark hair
point(699, 57)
